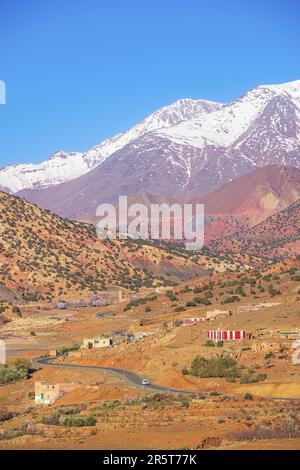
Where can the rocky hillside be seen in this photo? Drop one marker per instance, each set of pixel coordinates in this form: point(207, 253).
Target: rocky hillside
point(43, 256)
point(276, 237)
point(256, 195)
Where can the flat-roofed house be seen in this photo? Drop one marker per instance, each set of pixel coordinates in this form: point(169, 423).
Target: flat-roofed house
point(267, 346)
point(193, 321)
point(100, 342)
point(227, 335)
point(210, 315)
point(290, 334)
point(47, 393)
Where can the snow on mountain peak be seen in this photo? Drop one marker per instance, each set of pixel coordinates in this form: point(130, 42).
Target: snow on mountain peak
point(292, 88)
point(198, 124)
point(64, 166)
point(226, 124)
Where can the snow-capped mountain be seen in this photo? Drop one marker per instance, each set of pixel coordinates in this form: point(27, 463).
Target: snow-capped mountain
point(65, 166)
point(58, 168)
point(187, 149)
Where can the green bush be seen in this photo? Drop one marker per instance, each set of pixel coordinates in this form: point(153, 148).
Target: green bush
point(8, 374)
point(65, 349)
point(210, 343)
point(179, 309)
point(10, 433)
point(230, 300)
point(77, 422)
point(248, 396)
point(219, 366)
point(51, 420)
point(251, 378)
point(190, 304)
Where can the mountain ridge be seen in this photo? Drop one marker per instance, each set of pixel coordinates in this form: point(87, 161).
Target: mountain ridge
point(185, 116)
point(65, 166)
point(192, 157)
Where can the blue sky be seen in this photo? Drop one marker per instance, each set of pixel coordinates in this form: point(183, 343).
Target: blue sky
point(78, 72)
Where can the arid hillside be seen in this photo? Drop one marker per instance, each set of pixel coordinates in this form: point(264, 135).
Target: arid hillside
point(45, 257)
point(256, 195)
point(249, 200)
point(276, 237)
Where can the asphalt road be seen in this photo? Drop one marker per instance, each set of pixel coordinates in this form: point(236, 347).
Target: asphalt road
point(131, 377)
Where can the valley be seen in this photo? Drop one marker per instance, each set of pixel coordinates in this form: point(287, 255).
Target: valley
point(257, 407)
point(142, 344)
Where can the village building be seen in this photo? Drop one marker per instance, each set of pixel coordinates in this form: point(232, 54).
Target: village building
point(255, 307)
point(139, 335)
point(116, 294)
point(99, 342)
point(47, 393)
point(212, 314)
point(290, 334)
point(75, 354)
point(265, 346)
point(53, 352)
point(224, 335)
point(193, 321)
point(266, 333)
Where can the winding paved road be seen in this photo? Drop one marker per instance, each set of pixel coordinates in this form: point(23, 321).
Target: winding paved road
point(131, 377)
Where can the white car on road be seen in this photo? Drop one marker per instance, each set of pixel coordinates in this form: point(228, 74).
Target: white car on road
point(145, 382)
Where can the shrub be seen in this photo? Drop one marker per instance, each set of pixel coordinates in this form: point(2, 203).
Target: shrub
point(210, 343)
point(5, 415)
point(190, 304)
point(250, 378)
point(10, 433)
point(268, 355)
point(65, 349)
point(179, 309)
point(219, 366)
point(8, 375)
point(22, 364)
point(248, 396)
point(111, 404)
point(77, 422)
point(17, 311)
point(185, 404)
point(51, 420)
point(229, 300)
point(71, 410)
